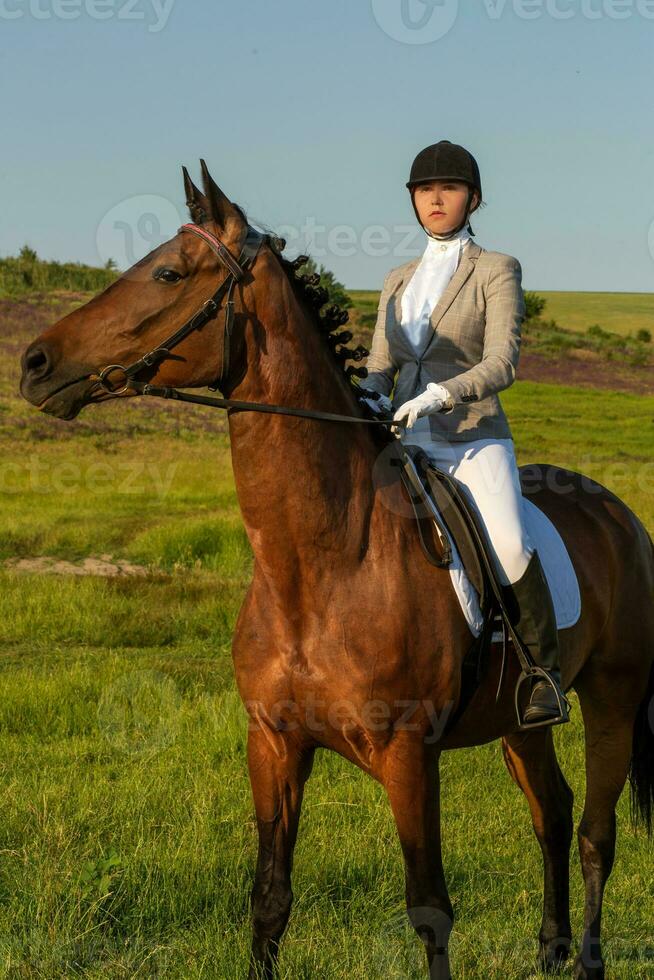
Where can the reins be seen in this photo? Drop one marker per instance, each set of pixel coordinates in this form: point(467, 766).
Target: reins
point(236, 271)
point(162, 391)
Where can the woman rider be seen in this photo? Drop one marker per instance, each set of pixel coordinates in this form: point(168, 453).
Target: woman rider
point(450, 323)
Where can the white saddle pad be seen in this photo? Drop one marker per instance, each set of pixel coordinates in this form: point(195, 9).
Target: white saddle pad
point(558, 568)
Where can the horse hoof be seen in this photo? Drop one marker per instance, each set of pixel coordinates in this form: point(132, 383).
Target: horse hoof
point(583, 972)
point(552, 955)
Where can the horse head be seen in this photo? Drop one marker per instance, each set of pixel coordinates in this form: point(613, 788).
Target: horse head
point(62, 368)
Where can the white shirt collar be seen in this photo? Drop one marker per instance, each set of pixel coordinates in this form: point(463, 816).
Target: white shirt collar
point(438, 249)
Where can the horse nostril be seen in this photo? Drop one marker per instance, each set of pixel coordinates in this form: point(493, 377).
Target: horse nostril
point(37, 362)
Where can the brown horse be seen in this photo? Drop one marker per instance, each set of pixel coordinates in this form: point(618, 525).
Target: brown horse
point(347, 637)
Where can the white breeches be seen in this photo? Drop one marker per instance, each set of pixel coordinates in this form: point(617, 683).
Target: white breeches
point(488, 468)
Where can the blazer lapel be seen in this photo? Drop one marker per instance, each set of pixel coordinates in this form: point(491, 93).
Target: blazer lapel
point(461, 276)
point(454, 286)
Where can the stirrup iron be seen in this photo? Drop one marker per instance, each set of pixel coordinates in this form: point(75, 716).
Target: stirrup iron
point(563, 703)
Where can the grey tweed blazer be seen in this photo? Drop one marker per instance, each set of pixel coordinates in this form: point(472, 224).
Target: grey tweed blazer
point(473, 350)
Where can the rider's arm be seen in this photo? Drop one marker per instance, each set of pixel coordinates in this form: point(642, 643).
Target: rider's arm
point(380, 364)
point(505, 311)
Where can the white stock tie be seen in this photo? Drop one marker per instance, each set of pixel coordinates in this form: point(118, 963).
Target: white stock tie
point(437, 266)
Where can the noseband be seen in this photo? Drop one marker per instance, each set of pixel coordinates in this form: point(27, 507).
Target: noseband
point(236, 270)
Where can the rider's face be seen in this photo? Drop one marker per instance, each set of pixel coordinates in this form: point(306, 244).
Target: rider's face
point(441, 204)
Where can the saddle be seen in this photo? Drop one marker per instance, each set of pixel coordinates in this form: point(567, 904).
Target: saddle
point(444, 510)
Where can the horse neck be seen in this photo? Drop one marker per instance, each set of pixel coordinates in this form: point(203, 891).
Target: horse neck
point(304, 485)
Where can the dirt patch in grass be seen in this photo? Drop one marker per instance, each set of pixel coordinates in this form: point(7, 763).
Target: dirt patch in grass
point(586, 369)
point(103, 565)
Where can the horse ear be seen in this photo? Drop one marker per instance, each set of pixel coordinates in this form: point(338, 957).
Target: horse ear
point(220, 206)
point(196, 202)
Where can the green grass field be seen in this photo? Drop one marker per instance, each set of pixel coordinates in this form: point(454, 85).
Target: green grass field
point(128, 836)
point(618, 312)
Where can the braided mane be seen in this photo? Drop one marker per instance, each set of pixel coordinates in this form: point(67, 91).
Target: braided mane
point(310, 291)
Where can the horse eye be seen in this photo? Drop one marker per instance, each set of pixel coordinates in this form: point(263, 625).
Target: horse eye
point(167, 275)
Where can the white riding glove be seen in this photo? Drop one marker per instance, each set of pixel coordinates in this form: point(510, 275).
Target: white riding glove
point(432, 399)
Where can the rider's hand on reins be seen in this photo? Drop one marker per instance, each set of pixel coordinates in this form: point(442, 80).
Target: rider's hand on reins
point(431, 400)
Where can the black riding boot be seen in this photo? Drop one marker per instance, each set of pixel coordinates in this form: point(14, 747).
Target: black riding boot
point(532, 615)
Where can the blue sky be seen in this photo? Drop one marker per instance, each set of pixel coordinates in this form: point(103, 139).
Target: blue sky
point(309, 115)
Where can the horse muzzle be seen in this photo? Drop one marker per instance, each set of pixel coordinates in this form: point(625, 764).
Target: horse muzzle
point(60, 389)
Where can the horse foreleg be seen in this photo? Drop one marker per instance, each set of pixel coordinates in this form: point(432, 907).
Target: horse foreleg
point(531, 760)
point(278, 770)
point(411, 779)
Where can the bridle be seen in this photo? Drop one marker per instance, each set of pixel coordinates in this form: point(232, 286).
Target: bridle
point(236, 272)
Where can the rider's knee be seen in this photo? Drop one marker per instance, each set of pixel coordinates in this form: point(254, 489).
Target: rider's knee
point(513, 553)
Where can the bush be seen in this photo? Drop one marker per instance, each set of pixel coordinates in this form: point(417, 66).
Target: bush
point(28, 273)
point(639, 355)
point(534, 303)
point(548, 337)
point(597, 331)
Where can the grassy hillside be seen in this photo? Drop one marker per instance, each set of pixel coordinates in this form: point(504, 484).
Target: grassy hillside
point(618, 312)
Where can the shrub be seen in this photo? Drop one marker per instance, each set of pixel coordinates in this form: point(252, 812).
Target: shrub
point(644, 336)
point(534, 303)
point(597, 331)
point(27, 273)
point(639, 356)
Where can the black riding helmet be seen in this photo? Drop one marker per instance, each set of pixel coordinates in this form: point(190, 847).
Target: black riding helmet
point(446, 161)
